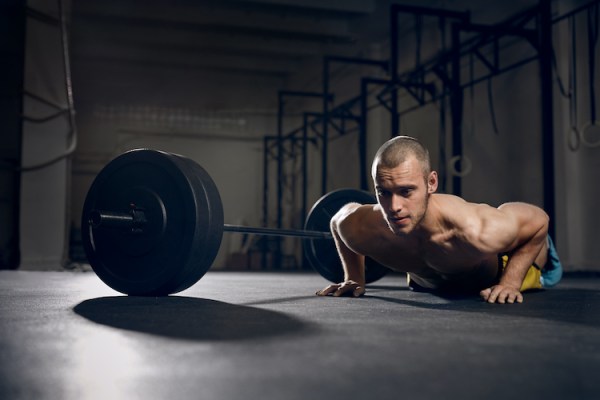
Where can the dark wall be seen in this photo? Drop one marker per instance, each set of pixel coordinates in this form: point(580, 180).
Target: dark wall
point(12, 39)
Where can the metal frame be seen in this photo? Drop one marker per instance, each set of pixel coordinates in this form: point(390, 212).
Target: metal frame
point(327, 61)
point(422, 82)
point(280, 114)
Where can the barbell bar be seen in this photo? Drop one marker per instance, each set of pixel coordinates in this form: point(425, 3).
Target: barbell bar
point(301, 233)
point(136, 219)
point(152, 224)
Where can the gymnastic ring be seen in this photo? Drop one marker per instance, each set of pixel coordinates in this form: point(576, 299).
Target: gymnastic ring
point(586, 130)
point(573, 139)
point(466, 170)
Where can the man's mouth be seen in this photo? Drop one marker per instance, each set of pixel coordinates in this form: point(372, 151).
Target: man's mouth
point(399, 220)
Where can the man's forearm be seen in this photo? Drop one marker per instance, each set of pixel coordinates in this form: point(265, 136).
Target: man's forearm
point(520, 261)
point(530, 240)
point(515, 271)
point(353, 263)
point(355, 270)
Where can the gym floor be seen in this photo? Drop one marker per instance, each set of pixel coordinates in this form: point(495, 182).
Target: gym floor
point(235, 335)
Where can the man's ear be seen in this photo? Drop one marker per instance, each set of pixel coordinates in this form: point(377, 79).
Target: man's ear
point(432, 182)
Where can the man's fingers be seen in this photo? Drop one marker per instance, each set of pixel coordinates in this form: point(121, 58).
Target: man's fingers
point(519, 297)
point(514, 296)
point(345, 288)
point(501, 294)
point(348, 288)
point(354, 291)
point(328, 290)
point(485, 293)
point(359, 291)
point(494, 294)
point(511, 298)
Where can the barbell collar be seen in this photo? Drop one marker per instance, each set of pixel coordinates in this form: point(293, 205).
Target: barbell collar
point(134, 219)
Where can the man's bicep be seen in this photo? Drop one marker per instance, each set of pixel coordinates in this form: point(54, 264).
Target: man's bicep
point(523, 222)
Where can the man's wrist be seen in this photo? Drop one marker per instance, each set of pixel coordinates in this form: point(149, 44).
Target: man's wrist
point(510, 283)
point(358, 279)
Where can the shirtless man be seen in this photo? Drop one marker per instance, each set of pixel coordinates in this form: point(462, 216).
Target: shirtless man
point(441, 241)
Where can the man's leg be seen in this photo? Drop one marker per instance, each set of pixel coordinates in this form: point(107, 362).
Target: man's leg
point(552, 271)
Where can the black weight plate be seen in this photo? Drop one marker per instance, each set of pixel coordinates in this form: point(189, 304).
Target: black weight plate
point(183, 233)
point(322, 253)
point(210, 223)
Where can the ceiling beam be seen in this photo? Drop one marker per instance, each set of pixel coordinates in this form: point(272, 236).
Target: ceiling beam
point(200, 19)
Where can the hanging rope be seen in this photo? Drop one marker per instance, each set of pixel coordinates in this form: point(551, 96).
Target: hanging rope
point(561, 86)
point(591, 126)
point(592, 40)
point(472, 92)
point(491, 105)
point(573, 137)
point(419, 39)
point(442, 122)
point(70, 110)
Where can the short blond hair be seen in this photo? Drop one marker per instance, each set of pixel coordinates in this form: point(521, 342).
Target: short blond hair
point(399, 149)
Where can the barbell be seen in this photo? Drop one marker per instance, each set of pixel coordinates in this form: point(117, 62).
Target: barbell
point(152, 224)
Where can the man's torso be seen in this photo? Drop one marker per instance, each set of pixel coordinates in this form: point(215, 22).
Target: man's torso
point(446, 255)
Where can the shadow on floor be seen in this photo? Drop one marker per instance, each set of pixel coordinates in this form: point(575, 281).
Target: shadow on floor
point(189, 318)
point(573, 306)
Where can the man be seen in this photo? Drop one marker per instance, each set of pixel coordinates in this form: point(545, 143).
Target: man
point(441, 241)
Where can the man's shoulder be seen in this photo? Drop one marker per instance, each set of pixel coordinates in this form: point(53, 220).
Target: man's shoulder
point(354, 213)
point(480, 224)
point(361, 212)
point(357, 223)
point(465, 216)
point(446, 201)
point(450, 202)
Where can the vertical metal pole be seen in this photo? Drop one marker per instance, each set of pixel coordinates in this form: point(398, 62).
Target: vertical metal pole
point(12, 42)
point(305, 262)
point(280, 111)
point(325, 132)
point(395, 122)
point(545, 63)
point(304, 167)
point(394, 43)
point(443, 166)
point(265, 219)
point(456, 105)
point(394, 113)
point(362, 138)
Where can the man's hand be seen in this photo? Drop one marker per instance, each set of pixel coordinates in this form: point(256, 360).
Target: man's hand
point(347, 288)
point(501, 294)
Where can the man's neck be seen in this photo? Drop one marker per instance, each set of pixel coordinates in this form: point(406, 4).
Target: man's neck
point(432, 223)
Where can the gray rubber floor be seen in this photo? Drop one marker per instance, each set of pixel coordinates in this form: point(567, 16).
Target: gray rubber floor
point(266, 336)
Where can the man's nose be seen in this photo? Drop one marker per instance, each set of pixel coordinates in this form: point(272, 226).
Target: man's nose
point(396, 204)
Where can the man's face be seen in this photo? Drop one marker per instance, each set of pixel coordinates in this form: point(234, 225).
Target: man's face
point(403, 193)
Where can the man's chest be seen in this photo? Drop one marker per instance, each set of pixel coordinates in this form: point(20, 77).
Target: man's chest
point(451, 254)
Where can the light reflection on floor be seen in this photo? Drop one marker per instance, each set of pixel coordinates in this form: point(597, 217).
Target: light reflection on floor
point(107, 364)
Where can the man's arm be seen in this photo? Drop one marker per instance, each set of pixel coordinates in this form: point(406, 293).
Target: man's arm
point(522, 231)
point(352, 262)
